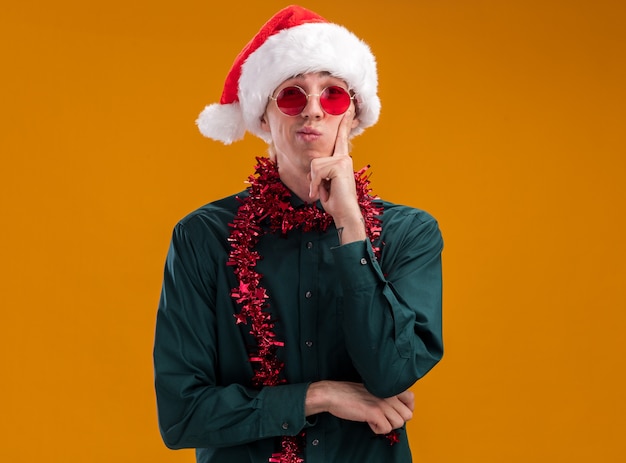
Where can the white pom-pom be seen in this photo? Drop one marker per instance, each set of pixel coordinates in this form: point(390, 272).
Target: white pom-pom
point(222, 122)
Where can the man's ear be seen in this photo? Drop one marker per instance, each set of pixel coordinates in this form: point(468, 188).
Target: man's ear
point(264, 124)
point(355, 120)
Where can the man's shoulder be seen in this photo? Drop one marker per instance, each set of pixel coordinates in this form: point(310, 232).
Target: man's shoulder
point(401, 212)
point(216, 213)
point(404, 226)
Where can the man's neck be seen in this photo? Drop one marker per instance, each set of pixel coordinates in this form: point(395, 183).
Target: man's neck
point(298, 183)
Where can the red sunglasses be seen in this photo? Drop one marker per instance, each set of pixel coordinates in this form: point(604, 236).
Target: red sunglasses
point(334, 100)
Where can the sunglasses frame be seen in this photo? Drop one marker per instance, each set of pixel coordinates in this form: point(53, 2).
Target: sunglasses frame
point(307, 95)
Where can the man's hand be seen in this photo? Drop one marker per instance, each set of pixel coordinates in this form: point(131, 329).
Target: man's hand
point(351, 401)
point(332, 181)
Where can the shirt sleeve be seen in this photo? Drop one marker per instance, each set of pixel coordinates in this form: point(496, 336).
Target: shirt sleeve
point(194, 409)
point(392, 308)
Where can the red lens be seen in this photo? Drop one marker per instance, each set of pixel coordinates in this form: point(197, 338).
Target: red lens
point(335, 100)
point(291, 100)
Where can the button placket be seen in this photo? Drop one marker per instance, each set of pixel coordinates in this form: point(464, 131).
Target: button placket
point(310, 254)
point(314, 449)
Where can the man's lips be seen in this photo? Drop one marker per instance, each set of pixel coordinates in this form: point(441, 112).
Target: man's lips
point(309, 131)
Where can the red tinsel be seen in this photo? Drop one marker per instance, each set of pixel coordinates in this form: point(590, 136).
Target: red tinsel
point(290, 448)
point(268, 198)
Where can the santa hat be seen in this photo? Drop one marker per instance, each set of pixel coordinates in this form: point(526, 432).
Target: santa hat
point(294, 41)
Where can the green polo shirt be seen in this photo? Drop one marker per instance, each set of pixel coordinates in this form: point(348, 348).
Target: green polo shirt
point(342, 313)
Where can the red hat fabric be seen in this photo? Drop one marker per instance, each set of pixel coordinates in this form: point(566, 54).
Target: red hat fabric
point(294, 41)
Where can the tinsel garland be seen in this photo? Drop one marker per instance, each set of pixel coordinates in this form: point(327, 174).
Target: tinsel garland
point(269, 200)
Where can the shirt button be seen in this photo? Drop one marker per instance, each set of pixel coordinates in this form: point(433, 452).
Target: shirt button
point(309, 245)
point(363, 261)
point(315, 442)
point(285, 426)
point(309, 343)
point(308, 294)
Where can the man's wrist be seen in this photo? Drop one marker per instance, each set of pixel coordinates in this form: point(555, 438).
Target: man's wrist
point(351, 230)
point(316, 399)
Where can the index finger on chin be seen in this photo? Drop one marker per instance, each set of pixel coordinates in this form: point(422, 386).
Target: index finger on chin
point(341, 144)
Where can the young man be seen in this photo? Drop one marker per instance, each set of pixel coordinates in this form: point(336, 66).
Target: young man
point(295, 315)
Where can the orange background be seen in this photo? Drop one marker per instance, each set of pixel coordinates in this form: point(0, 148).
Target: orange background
point(503, 119)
